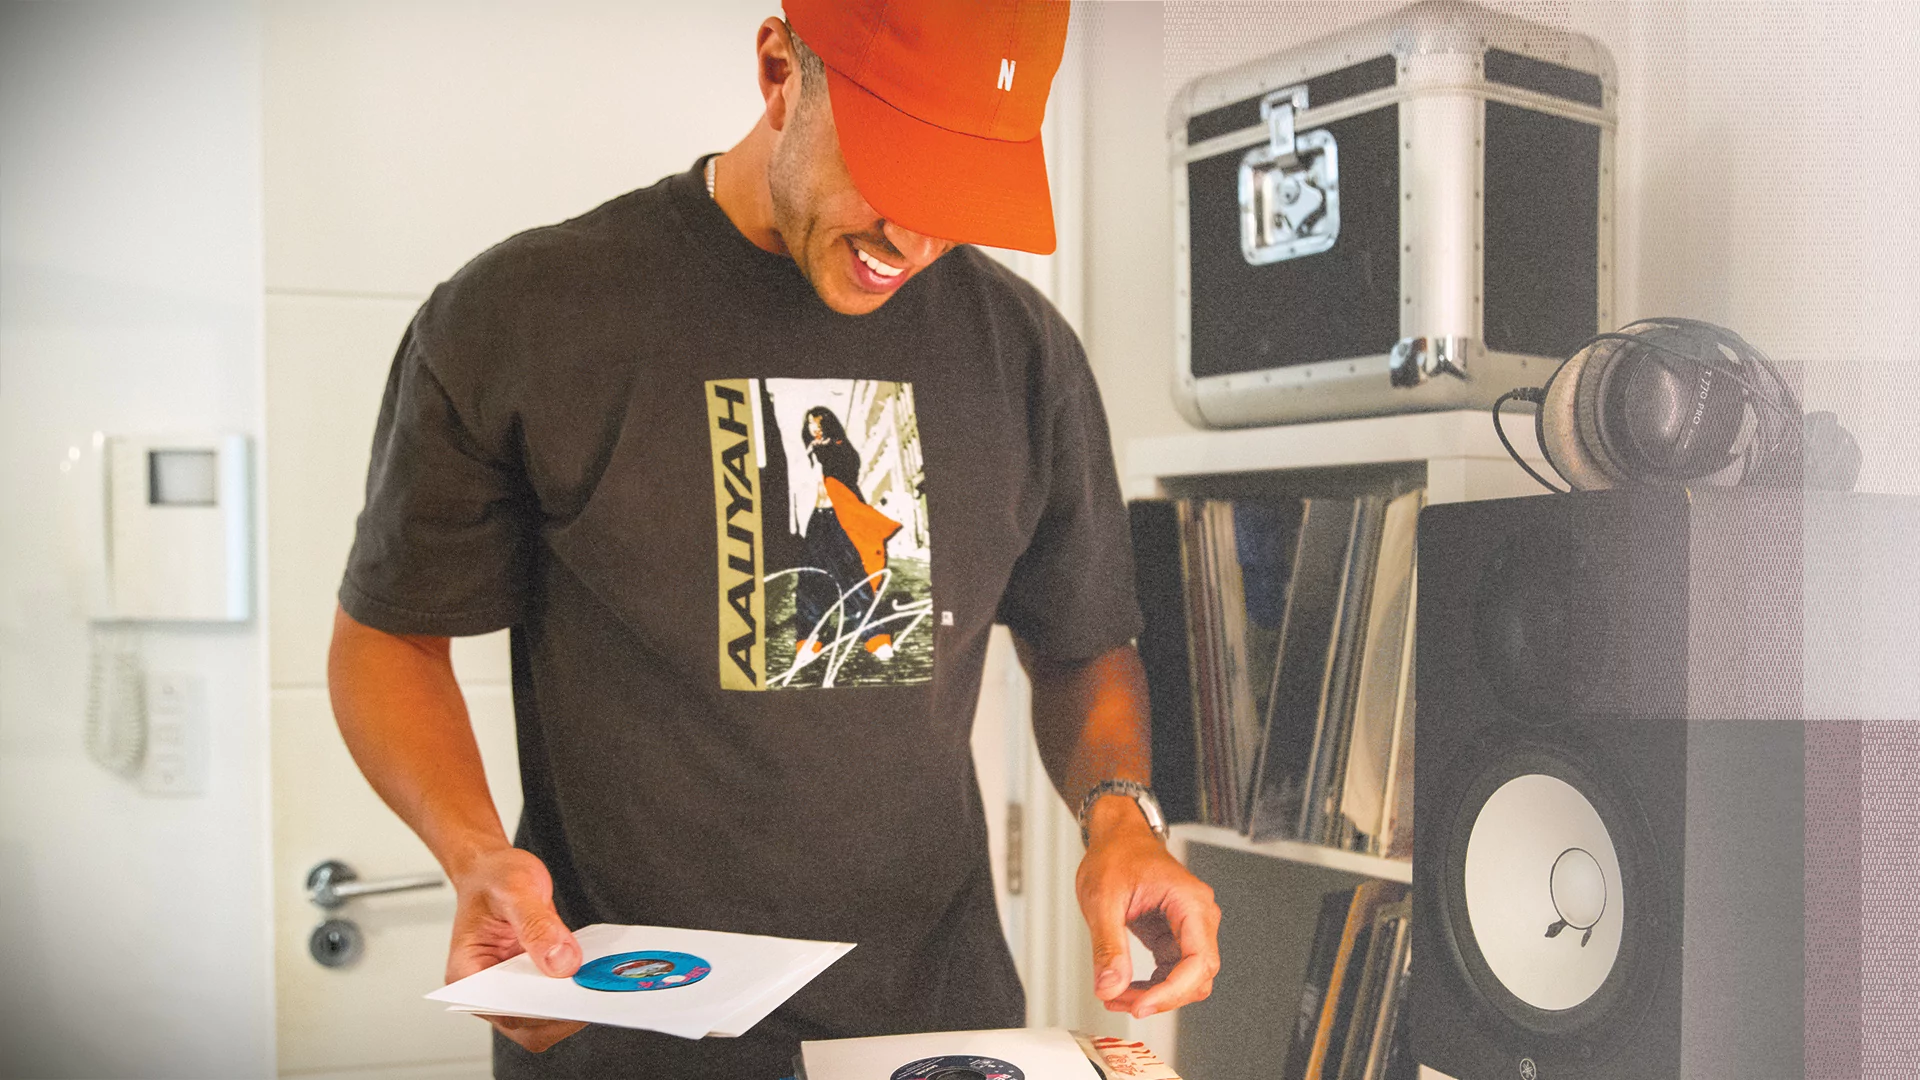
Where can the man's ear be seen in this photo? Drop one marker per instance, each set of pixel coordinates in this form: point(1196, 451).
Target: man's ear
point(779, 73)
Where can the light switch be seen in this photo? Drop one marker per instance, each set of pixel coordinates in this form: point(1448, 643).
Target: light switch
point(177, 749)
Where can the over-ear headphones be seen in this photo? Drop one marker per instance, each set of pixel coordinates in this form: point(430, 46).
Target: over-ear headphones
point(1671, 402)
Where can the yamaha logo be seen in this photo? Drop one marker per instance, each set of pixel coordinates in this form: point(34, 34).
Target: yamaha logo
point(1528, 1070)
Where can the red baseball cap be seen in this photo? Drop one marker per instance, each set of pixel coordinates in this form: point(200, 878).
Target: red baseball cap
point(938, 105)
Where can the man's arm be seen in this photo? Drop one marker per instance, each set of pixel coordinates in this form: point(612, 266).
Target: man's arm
point(1090, 724)
point(405, 722)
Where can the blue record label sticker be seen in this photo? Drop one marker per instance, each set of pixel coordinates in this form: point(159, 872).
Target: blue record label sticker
point(958, 1067)
point(629, 971)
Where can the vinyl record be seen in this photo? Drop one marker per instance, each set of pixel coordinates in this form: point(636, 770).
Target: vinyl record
point(651, 970)
point(958, 1067)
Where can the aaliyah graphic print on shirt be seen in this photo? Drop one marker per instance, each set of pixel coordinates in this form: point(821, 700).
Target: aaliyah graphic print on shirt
point(820, 508)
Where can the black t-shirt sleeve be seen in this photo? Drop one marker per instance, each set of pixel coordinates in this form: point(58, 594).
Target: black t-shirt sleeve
point(1071, 594)
point(443, 544)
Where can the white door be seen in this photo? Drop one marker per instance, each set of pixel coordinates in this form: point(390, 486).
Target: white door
point(401, 138)
point(326, 366)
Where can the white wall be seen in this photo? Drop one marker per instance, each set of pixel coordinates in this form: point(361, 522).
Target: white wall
point(133, 929)
point(1129, 220)
point(1765, 182)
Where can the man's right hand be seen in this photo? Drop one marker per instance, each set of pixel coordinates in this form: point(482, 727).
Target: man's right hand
point(505, 908)
point(402, 715)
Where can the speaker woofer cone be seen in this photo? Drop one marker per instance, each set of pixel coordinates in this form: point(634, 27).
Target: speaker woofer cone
point(1615, 979)
point(1540, 861)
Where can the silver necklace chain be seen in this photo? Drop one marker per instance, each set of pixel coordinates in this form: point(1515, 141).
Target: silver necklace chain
point(711, 162)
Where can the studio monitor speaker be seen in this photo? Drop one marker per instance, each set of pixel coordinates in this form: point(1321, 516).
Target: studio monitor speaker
point(1637, 816)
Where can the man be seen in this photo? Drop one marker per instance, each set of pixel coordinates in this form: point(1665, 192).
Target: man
point(611, 435)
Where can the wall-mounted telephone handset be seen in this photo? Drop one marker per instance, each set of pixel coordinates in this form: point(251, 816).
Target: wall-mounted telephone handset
point(116, 700)
point(166, 540)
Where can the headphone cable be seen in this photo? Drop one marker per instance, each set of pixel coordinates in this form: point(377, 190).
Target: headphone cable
point(1531, 394)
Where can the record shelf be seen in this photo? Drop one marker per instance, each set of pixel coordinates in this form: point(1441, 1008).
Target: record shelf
point(1457, 457)
point(1352, 862)
point(1458, 451)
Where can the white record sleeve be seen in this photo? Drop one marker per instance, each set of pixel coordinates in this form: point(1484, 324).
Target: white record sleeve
point(749, 977)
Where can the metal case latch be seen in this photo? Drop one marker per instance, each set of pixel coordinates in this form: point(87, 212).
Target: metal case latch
point(1414, 360)
point(1289, 188)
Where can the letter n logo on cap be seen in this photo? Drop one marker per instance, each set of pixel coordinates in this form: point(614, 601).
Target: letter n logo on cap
point(1006, 76)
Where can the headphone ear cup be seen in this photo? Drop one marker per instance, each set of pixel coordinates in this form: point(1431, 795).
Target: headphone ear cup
point(1576, 459)
point(1677, 425)
point(1591, 412)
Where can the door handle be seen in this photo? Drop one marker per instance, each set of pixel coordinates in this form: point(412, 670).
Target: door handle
point(332, 883)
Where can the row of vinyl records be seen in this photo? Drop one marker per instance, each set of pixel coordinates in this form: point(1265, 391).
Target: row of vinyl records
point(1352, 1020)
point(1279, 653)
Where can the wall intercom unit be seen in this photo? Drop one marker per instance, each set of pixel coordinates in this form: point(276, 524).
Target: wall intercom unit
point(177, 530)
point(170, 541)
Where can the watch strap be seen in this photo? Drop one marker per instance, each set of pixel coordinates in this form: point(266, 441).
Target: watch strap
point(1142, 796)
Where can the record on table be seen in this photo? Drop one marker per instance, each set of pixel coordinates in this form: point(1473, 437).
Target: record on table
point(958, 1067)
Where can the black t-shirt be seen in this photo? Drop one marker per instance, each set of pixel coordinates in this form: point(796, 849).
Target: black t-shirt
point(751, 551)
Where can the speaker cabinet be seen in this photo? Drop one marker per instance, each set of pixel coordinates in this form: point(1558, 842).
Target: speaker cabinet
point(1623, 700)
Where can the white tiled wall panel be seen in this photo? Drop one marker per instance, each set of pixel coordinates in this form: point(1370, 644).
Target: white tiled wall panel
point(406, 137)
point(326, 366)
point(327, 360)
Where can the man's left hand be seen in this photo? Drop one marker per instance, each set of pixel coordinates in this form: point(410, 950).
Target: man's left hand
point(1128, 881)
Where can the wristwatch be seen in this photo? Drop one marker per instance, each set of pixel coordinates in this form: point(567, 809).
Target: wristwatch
point(1141, 794)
